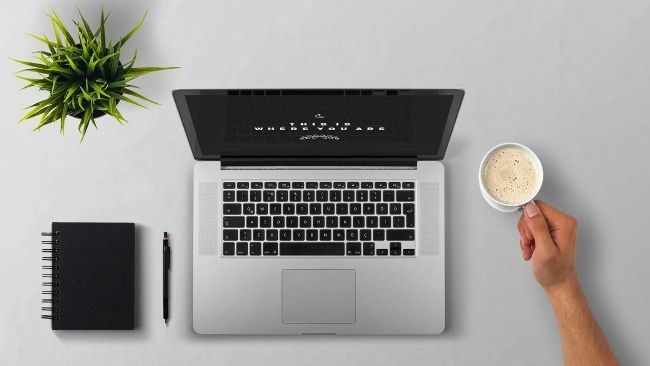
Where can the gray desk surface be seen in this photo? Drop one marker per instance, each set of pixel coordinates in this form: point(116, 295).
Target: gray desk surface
point(570, 79)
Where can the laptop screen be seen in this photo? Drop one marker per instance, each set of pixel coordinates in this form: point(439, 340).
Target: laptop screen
point(318, 123)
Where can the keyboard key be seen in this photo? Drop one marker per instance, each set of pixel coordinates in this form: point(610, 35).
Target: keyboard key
point(368, 209)
point(405, 196)
point(312, 185)
point(265, 221)
point(325, 185)
point(318, 221)
point(302, 209)
point(276, 209)
point(256, 196)
point(305, 221)
point(269, 196)
point(298, 235)
point(382, 209)
point(345, 221)
point(251, 222)
point(348, 196)
point(408, 185)
point(408, 251)
point(312, 234)
point(365, 234)
point(284, 185)
point(271, 234)
point(395, 248)
point(321, 196)
point(325, 235)
point(234, 221)
point(385, 221)
point(232, 208)
point(297, 185)
point(369, 248)
point(353, 185)
point(242, 248)
point(375, 196)
point(258, 234)
point(288, 209)
point(228, 196)
point(353, 249)
point(270, 185)
point(242, 196)
point(262, 208)
point(372, 221)
point(381, 185)
point(270, 249)
point(389, 196)
point(339, 185)
point(315, 209)
point(245, 234)
point(379, 235)
point(242, 185)
point(309, 196)
point(285, 234)
point(249, 209)
point(338, 234)
point(362, 196)
point(228, 248)
point(341, 208)
point(366, 185)
point(335, 196)
point(278, 221)
point(398, 221)
point(382, 251)
point(295, 196)
point(395, 208)
point(257, 185)
point(332, 221)
point(230, 235)
point(355, 209)
point(394, 185)
point(358, 221)
point(318, 248)
point(292, 221)
point(400, 234)
point(351, 234)
point(329, 209)
point(228, 185)
point(256, 248)
point(282, 196)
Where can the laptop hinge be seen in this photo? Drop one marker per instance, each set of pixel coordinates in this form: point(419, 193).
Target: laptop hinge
point(405, 162)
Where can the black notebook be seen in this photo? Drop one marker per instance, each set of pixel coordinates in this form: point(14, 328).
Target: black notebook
point(91, 269)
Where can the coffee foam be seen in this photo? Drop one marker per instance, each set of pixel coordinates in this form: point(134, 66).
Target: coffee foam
point(510, 176)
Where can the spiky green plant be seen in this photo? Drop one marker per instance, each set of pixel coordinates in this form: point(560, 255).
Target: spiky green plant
point(84, 77)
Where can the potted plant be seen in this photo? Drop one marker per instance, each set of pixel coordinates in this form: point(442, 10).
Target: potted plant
point(84, 77)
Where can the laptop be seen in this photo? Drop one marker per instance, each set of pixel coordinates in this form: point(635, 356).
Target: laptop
point(318, 211)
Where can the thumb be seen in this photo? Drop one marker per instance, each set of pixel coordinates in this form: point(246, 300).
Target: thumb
point(536, 223)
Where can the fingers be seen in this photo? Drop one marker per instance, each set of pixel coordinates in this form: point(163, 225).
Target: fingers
point(524, 232)
point(526, 250)
point(563, 227)
point(536, 223)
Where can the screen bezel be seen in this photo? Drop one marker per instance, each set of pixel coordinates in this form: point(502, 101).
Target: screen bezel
point(184, 112)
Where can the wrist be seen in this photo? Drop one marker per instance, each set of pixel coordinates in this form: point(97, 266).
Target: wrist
point(570, 288)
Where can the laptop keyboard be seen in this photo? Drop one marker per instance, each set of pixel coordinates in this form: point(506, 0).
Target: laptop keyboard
point(324, 218)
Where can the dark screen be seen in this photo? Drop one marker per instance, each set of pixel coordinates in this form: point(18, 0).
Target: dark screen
point(318, 124)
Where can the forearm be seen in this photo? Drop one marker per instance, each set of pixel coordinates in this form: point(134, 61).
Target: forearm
point(583, 343)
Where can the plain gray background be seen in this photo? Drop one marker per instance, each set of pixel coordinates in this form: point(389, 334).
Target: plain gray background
point(568, 78)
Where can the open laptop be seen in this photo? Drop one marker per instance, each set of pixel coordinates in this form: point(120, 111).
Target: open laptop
point(319, 211)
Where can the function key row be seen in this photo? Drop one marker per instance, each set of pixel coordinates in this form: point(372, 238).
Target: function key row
point(314, 185)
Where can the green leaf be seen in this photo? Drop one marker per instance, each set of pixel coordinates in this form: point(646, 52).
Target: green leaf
point(138, 95)
point(135, 28)
point(58, 23)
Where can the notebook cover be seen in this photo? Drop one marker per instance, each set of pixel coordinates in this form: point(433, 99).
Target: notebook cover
point(96, 275)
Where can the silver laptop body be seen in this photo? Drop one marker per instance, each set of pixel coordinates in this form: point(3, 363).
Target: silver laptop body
point(340, 254)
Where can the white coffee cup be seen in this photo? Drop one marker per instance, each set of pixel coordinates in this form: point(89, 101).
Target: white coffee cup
point(510, 207)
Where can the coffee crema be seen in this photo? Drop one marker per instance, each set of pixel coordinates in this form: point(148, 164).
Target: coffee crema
point(510, 176)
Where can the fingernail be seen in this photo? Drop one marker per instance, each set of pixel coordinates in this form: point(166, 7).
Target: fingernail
point(531, 209)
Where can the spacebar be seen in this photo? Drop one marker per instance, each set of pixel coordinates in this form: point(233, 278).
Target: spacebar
point(312, 248)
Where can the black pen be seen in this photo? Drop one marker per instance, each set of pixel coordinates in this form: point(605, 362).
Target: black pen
point(166, 266)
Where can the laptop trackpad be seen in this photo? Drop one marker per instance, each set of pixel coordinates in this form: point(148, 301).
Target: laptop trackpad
point(319, 296)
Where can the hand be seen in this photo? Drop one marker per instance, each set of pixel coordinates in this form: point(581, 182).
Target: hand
point(548, 237)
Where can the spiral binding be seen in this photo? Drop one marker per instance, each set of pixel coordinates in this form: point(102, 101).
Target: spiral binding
point(53, 284)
